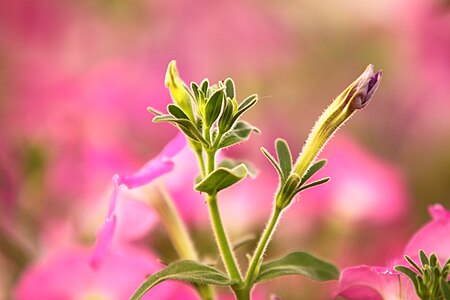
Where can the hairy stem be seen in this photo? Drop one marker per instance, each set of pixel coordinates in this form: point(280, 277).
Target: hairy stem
point(261, 248)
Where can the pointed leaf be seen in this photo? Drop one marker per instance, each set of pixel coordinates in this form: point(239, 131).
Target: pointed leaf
point(184, 125)
point(245, 105)
point(240, 132)
point(154, 111)
point(231, 163)
point(284, 156)
point(413, 264)
point(423, 258)
point(312, 184)
point(221, 178)
point(185, 270)
point(273, 162)
point(176, 112)
point(313, 170)
point(204, 86)
point(213, 107)
point(298, 263)
point(411, 274)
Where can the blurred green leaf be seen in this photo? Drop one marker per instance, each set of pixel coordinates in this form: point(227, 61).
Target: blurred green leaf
point(313, 184)
point(176, 112)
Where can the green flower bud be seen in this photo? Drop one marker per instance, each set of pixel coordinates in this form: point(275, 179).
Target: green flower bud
point(178, 90)
point(356, 96)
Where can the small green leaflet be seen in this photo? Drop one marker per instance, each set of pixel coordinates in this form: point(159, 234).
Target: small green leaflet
point(221, 178)
point(298, 263)
point(185, 270)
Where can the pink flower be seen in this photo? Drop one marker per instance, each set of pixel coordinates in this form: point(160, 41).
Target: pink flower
point(363, 187)
point(374, 283)
point(67, 276)
point(153, 169)
point(433, 237)
point(364, 282)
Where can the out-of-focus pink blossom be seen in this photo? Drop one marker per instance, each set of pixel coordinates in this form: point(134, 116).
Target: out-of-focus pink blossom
point(153, 169)
point(377, 283)
point(67, 276)
point(433, 237)
point(363, 187)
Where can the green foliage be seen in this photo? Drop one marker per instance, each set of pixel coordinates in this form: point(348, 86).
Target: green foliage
point(221, 178)
point(297, 263)
point(185, 270)
point(239, 133)
point(430, 280)
point(284, 157)
point(290, 183)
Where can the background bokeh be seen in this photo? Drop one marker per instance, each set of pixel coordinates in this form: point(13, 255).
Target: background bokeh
point(76, 78)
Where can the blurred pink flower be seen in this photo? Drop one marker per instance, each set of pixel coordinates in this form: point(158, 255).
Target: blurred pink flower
point(153, 169)
point(363, 187)
point(67, 276)
point(433, 237)
point(364, 282)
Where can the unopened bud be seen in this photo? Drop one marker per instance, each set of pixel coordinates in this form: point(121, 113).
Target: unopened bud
point(356, 96)
point(178, 90)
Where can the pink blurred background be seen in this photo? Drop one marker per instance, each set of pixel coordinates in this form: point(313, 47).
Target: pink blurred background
point(76, 78)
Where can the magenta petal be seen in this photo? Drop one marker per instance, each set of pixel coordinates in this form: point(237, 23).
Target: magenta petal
point(173, 147)
point(104, 239)
point(371, 283)
point(433, 237)
point(149, 172)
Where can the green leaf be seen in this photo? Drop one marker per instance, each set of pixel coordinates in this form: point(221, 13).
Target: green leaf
point(298, 263)
point(423, 258)
point(411, 274)
point(225, 121)
point(240, 132)
point(313, 170)
point(273, 162)
point(445, 288)
point(284, 156)
point(230, 89)
point(204, 86)
point(221, 178)
point(312, 184)
point(245, 105)
point(213, 107)
point(413, 264)
point(231, 163)
point(185, 270)
point(154, 111)
point(184, 125)
point(176, 112)
point(195, 88)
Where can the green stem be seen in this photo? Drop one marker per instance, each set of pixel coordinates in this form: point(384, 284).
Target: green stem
point(225, 250)
point(261, 248)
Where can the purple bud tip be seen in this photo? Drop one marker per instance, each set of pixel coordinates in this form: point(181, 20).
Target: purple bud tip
point(365, 87)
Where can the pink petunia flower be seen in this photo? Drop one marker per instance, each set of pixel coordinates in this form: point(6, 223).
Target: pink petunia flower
point(153, 169)
point(378, 283)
